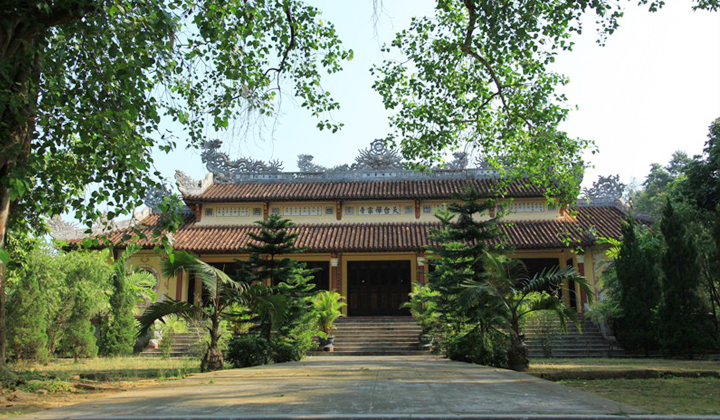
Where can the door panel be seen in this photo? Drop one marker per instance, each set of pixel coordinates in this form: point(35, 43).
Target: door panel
point(377, 288)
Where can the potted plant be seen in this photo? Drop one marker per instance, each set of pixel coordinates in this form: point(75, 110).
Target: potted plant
point(422, 308)
point(327, 304)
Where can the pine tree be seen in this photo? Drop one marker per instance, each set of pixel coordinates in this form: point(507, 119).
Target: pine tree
point(265, 264)
point(459, 246)
point(79, 336)
point(681, 313)
point(458, 250)
point(119, 331)
point(289, 280)
point(638, 290)
point(26, 315)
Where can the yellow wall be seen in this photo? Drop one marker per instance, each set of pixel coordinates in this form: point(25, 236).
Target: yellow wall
point(254, 212)
point(251, 218)
point(593, 260)
point(150, 261)
point(391, 205)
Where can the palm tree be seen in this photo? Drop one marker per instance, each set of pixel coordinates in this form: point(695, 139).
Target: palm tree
point(221, 293)
point(516, 294)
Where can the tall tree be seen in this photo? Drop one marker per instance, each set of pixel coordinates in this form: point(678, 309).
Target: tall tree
point(85, 84)
point(221, 292)
point(703, 173)
point(119, 329)
point(681, 315)
point(458, 248)
point(518, 294)
point(268, 264)
point(478, 72)
point(638, 290)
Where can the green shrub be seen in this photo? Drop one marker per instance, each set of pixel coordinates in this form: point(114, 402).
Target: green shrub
point(79, 338)
point(26, 320)
point(293, 347)
point(489, 349)
point(328, 304)
point(283, 349)
point(248, 350)
point(118, 332)
point(542, 322)
point(202, 343)
point(173, 325)
point(48, 385)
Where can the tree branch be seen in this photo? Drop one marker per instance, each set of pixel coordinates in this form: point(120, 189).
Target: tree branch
point(291, 45)
point(467, 50)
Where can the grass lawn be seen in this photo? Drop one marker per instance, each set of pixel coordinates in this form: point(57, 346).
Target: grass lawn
point(659, 386)
point(699, 396)
point(557, 369)
point(64, 381)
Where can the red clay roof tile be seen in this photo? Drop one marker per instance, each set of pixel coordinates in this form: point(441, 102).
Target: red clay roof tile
point(590, 224)
point(380, 190)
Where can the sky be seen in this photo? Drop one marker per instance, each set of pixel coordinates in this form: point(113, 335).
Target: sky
point(654, 88)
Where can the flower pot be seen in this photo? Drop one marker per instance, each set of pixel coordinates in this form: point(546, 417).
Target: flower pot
point(327, 343)
point(425, 341)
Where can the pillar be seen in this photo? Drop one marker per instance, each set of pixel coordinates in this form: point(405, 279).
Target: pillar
point(579, 290)
point(565, 283)
point(179, 287)
point(421, 264)
point(335, 272)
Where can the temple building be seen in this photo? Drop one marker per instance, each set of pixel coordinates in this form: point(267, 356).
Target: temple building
point(365, 226)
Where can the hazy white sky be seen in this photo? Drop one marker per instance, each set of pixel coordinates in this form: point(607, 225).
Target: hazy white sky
point(653, 89)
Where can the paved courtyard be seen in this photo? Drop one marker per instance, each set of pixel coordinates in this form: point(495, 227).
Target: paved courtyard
point(351, 387)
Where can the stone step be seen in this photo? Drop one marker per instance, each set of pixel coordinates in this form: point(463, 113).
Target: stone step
point(573, 354)
point(571, 348)
point(589, 342)
point(369, 353)
point(152, 353)
point(573, 339)
point(394, 334)
point(376, 338)
point(377, 348)
point(376, 330)
point(375, 319)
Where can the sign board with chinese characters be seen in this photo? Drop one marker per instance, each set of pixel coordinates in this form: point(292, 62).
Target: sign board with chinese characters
point(303, 211)
point(526, 207)
point(233, 211)
point(394, 209)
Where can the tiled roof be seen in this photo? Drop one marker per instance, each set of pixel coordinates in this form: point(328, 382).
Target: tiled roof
point(381, 190)
point(590, 223)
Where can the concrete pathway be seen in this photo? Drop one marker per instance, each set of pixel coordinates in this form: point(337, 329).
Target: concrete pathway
point(349, 387)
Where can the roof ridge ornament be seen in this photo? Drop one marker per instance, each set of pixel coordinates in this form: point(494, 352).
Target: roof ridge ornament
point(378, 156)
point(226, 170)
point(189, 186)
point(607, 190)
point(377, 162)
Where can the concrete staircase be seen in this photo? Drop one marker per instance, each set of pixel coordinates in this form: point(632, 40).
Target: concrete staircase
point(589, 343)
point(183, 344)
point(376, 336)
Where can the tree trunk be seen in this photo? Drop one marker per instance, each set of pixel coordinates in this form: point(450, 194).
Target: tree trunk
point(518, 353)
point(21, 43)
point(213, 359)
